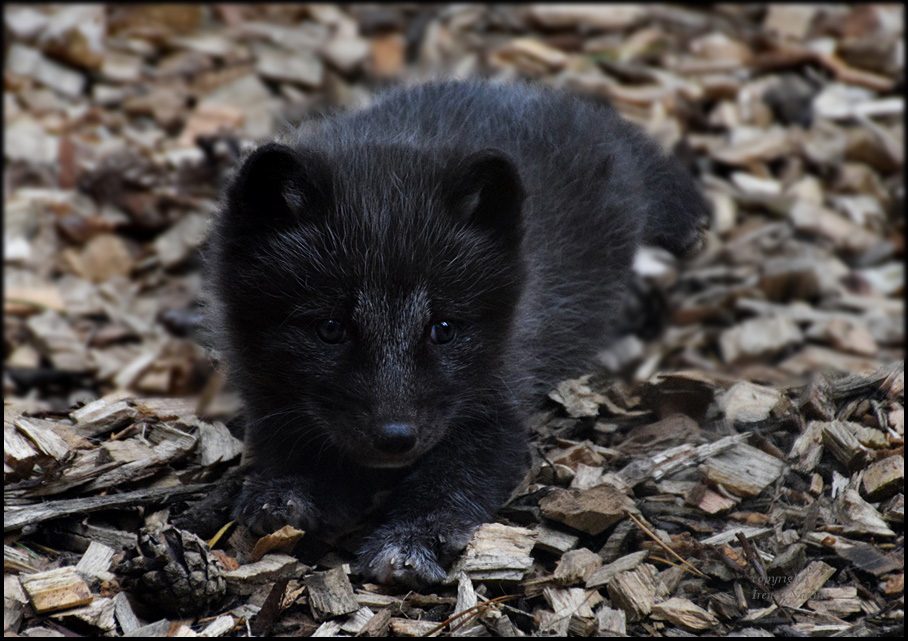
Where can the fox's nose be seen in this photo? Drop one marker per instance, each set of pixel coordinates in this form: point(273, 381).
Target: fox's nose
point(396, 438)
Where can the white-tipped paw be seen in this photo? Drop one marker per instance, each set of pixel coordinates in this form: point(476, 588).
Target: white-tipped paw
point(410, 562)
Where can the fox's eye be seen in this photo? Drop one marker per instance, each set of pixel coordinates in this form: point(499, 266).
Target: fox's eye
point(442, 332)
point(331, 331)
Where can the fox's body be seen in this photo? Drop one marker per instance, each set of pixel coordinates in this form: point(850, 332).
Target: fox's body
point(395, 286)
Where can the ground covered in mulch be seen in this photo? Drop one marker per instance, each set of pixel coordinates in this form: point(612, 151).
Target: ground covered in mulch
point(734, 467)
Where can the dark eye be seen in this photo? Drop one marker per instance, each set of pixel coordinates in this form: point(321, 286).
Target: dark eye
point(442, 332)
point(331, 331)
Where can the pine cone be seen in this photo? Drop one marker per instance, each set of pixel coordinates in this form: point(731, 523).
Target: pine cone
point(173, 570)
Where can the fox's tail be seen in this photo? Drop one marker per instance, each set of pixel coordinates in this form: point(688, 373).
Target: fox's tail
point(679, 214)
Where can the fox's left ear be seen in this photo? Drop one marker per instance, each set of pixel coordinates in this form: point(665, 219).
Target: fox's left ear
point(485, 189)
point(278, 186)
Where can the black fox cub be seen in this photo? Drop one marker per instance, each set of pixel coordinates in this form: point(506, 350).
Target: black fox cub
point(394, 288)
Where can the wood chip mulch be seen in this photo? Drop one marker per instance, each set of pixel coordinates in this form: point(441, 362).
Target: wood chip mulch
point(736, 465)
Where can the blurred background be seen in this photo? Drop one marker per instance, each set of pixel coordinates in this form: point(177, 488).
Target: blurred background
point(121, 123)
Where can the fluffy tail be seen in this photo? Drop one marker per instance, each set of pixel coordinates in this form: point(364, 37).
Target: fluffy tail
point(678, 213)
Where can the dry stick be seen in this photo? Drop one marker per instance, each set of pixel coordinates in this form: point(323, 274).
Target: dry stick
point(478, 606)
point(752, 556)
point(667, 562)
point(656, 539)
point(465, 621)
point(754, 559)
point(479, 611)
point(33, 514)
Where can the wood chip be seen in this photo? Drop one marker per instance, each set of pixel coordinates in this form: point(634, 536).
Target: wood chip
point(610, 620)
point(743, 470)
point(839, 437)
point(805, 585)
point(18, 559)
point(845, 335)
point(387, 55)
point(125, 615)
point(98, 615)
point(759, 338)
point(685, 614)
point(18, 452)
point(219, 627)
point(757, 145)
point(57, 340)
point(577, 397)
point(216, 443)
point(378, 625)
point(96, 560)
point(731, 534)
point(300, 68)
point(496, 552)
point(14, 603)
point(634, 591)
point(30, 62)
point(790, 21)
point(160, 628)
point(607, 572)
point(572, 611)
point(270, 568)
point(357, 621)
point(709, 501)
point(747, 402)
point(106, 414)
point(585, 453)
point(563, 16)
point(103, 258)
point(812, 219)
point(25, 22)
point(330, 594)
point(591, 511)
point(346, 53)
point(577, 566)
point(56, 589)
point(412, 628)
point(838, 602)
point(857, 516)
point(554, 541)
point(530, 54)
point(466, 599)
point(884, 478)
point(45, 437)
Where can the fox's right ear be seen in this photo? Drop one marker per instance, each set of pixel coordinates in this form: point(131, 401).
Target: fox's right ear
point(485, 189)
point(278, 185)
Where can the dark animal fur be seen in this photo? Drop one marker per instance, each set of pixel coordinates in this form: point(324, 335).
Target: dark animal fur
point(512, 212)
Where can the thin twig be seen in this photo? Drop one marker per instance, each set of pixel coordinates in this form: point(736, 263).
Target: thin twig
point(478, 606)
point(658, 542)
point(667, 562)
point(753, 558)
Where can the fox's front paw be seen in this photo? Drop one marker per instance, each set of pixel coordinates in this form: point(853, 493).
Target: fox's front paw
point(265, 505)
point(412, 554)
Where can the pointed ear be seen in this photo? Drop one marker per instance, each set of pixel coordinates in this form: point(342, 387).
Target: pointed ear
point(278, 185)
point(485, 190)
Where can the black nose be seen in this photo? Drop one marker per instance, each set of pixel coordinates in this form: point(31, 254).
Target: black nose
point(396, 438)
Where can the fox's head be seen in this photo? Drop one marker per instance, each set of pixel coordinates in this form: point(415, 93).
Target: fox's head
point(365, 299)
